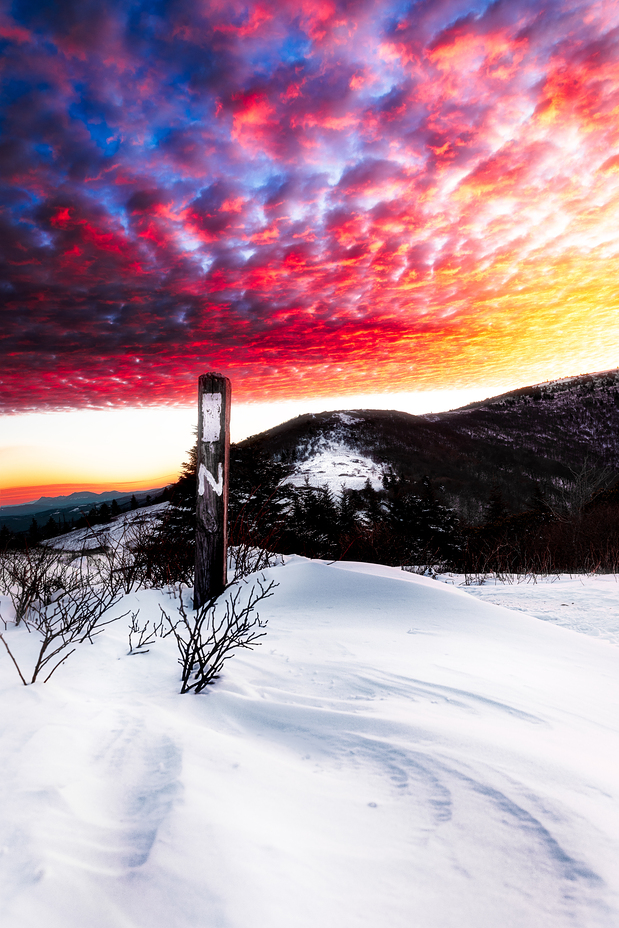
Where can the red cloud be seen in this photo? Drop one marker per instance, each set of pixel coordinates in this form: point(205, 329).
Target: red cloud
point(313, 196)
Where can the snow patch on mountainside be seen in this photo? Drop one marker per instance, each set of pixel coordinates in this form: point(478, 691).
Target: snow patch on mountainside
point(331, 459)
point(337, 467)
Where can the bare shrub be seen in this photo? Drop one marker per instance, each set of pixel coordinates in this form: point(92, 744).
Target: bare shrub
point(208, 636)
point(123, 557)
point(160, 551)
point(245, 559)
point(142, 635)
point(253, 539)
point(69, 615)
point(33, 575)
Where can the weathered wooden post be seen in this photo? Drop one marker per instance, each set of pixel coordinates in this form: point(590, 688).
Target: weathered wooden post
point(214, 394)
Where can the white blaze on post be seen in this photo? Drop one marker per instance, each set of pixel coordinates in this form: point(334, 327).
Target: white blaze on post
point(217, 485)
point(211, 416)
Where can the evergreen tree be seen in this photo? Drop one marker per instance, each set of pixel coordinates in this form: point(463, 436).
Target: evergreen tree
point(539, 503)
point(259, 500)
point(50, 529)
point(496, 510)
point(34, 533)
point(347, 512)
point(314, 526)
point(7, 538)
point(424, 530)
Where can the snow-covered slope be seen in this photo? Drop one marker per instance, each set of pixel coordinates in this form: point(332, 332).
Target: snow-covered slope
point(331, 459)
point(121, 528)
point(587, 604)
point(397, 753)
point(337, 467)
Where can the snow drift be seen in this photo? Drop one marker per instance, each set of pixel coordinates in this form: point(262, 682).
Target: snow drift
point(397, 753)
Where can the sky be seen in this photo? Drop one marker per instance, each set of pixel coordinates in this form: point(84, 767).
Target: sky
point(320, 199)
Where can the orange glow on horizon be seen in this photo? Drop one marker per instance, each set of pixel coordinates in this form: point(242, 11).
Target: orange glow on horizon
point(16, 496)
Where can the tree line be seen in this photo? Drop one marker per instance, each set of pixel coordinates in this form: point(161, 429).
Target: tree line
point(102, 514)
point(404, 521)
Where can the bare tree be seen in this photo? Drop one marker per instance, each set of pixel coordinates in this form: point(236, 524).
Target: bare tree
point(582, 485)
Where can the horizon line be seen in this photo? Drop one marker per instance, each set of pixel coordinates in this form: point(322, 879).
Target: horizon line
point(21, 496)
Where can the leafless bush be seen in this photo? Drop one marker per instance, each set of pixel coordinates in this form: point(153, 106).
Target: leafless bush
point(156, 553)
point(119, 556)
point(135, 555)
point(253, 539)
point(208, 636)
point(245, 559)
point(159, 551)
point(142, 635)
point(72, 614)
point(427, 570)
point(34, 575)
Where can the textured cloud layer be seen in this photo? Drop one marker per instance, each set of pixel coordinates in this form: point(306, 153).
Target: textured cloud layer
point(311, 196)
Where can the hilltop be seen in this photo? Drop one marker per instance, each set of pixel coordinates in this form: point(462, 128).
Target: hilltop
point(544, 437)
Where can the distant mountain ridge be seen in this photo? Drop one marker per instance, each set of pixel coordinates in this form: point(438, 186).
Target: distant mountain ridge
point(540, 438)
point(79, 496)
point(18, 518)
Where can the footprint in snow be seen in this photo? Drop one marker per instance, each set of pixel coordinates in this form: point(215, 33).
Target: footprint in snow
point(109, 818)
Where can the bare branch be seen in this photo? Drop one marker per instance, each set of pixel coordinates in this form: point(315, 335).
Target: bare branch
point(209, 636)
point(10, 653)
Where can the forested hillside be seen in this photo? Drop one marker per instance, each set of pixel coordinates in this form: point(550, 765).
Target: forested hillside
point(552, 438)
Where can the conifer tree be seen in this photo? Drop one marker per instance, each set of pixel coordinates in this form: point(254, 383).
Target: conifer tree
point(50, 529)
point(34, 533)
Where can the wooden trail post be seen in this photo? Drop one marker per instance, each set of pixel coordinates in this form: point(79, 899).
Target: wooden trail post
point(214, 394)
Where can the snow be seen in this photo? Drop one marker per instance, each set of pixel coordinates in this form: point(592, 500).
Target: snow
point(337, 466)
point(584, 603)
point(397, 753)
point(120, 529)
point(327, 460)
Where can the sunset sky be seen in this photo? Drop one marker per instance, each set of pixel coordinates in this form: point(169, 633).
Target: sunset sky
point(319, 199)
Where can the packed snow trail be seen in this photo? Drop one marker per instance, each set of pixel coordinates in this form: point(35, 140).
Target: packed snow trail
point(396, 753)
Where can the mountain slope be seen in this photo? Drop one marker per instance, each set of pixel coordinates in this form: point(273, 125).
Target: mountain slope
point(549, 436)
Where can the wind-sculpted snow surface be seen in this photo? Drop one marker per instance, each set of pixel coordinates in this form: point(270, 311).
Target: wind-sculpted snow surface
point(586, 604)
point(397, 753)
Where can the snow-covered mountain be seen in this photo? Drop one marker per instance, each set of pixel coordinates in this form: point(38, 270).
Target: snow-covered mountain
point(545, 436)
